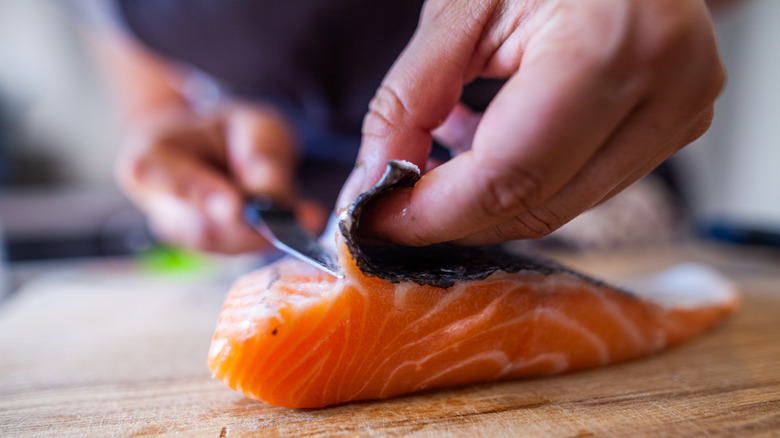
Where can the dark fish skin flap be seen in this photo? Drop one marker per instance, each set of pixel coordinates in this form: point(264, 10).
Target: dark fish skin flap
point(441, 265)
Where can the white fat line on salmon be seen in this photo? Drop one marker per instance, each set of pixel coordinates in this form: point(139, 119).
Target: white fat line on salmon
point(450, 295)
point(349, 332)
point(629, 328)
point(219, 347)
point(575, 326)
point(486, 312)
point(448, 333)
point(558, 359)
point(498, 357)
point(312, 377)
point(345, 283)
point(555, 315)
point(302, 360)
point(361, 339)
point(403, 289)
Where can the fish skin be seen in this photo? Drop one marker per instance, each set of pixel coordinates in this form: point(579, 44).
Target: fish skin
point(293, 336)
point(441, 265)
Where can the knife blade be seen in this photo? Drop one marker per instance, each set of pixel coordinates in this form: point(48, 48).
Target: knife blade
point(279, 226)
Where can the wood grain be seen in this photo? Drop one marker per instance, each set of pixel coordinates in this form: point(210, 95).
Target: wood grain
point(112, 353)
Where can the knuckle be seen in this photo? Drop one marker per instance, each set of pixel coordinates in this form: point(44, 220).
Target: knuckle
point(539, 222)
point(675, 32)
point(140, 156)
point(697, 104)
point(681, 49)
point(532, 224)
point(699, 126)
point(385, 112)
point(509, 192)
point(711, 84)
point(669, 24)
point(706, 84)
point(131, 170)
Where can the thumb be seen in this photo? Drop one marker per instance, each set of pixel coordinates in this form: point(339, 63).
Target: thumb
point(418, 92)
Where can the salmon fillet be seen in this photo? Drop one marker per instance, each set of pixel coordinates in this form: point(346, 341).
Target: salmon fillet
point(293, 336)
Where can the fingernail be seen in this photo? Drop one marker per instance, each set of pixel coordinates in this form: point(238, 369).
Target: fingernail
point(261, 176)
point(258, 175)
point(219, 208)
point(174, 220)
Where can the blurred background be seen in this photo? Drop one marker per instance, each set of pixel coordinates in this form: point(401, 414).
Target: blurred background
point(59, 131)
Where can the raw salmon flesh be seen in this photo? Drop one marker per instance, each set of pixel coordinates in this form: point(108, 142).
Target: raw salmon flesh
point(293, 336)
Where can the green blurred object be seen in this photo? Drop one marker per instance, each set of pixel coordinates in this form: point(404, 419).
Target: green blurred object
point(169, 260)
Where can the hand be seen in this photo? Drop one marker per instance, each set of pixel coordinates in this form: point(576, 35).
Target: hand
point(599, 92)
point(190, 175)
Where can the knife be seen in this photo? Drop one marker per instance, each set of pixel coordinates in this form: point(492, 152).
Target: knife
point(279, 226)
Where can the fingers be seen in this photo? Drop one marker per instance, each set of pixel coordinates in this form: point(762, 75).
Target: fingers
point(210, 222)
point(677, 110)
point(409, 103)
point(261, 151)
point(191, 176)
point(262, 155)
point(535, 136)
point(605, 92)
point(175, 178)
point(628, 156)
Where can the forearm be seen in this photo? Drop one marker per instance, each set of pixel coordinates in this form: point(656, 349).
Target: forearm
point(142, 83)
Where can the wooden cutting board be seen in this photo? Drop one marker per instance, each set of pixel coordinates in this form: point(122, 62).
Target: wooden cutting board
point(108, 352)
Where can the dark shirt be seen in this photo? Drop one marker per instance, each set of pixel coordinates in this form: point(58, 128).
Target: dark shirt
point(318, 61)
